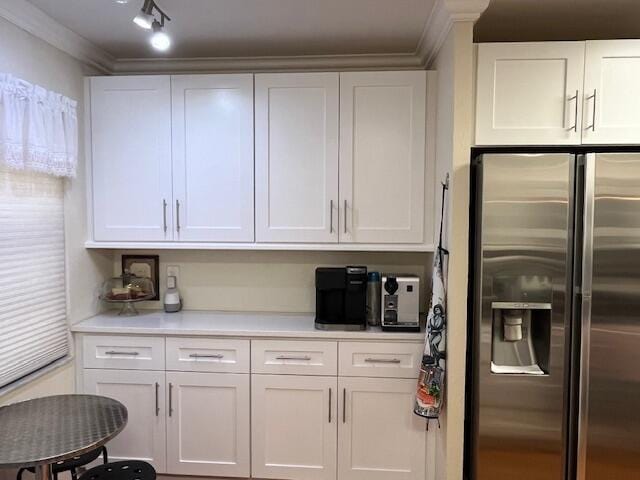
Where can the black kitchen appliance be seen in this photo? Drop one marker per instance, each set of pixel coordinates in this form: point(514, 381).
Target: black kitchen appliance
point(341, 298)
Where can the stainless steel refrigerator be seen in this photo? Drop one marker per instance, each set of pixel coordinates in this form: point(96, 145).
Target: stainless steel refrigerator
point(554, 342)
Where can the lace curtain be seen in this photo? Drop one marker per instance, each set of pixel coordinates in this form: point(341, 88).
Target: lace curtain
point(38, 128)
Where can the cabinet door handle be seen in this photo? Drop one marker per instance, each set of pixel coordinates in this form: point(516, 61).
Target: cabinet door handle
point(330, 402)
point(574, 127)
point(344, 405)
point(382, 360)
point(170, 398)
point(305, 358)
point(593, 112)
point(178, 215)
point(345, 216)
point(330, 216)
point(203, 355)
point(157, 404)
point(115, 352)
point(164, 214)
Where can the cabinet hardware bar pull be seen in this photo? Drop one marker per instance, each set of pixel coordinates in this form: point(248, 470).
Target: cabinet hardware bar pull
point(593, 115)
point(330, 216)
point(202, 355)
point(164, 214)
point(344, 405)
point(574, 127)
point(286, 357)
point(170, 398)
point(157, 404)
point(345, 216)
point(178, 215)
point(330, 393)
point(382, 360)
point(114, 352)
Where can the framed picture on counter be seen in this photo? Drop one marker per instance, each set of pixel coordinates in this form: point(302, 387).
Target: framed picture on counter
point(147, 266)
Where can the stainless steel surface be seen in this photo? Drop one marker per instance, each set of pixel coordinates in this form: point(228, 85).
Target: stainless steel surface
point(520, 306)
point(178, 215)
point(157, 399)
point(164, 214)
point(330, 216)
point(170, 398)
point(206, 355)
point(345, 327)
point(612, 446)
point(50, 429)
point(382, 360)
point(524, 257)
point(593, 114)
point(574, 127)
point(330, 394)
point(43, 472)
point(115, 352)
point(345, 216)
point(304, 358)
point(344, 405)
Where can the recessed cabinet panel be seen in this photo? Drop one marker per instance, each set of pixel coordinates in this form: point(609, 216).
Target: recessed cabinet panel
point(382, 157)
point(131, 158)
point(297, 157)
point(212, 140)
point(612, 92)
point(529, 93)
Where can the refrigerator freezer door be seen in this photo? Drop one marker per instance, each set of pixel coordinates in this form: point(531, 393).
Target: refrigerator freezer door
point(522, 279)
point(611, 385)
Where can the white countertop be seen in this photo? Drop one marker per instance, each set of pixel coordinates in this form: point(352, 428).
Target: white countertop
point(228, 324)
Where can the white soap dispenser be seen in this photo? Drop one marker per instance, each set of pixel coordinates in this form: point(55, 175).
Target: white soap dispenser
point(172, 300)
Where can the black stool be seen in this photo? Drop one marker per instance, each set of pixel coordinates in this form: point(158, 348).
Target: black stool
point(125, 470)
point(71, 464)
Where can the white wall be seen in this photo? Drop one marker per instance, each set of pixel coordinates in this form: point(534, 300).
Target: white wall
point(268, 281)
point(31, 59)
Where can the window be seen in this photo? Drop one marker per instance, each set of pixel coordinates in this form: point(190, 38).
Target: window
point(33, 314)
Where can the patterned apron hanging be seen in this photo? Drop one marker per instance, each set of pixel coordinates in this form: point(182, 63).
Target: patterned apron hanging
point(430, 389)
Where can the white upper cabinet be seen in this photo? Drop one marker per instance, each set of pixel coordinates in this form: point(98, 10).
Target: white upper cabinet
point(529, 93)
point(131, 158)
point(612, 92)
point(212, 138)
point(382, 157)
point(297, 157)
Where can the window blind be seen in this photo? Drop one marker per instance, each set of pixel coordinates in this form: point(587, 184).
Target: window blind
point(33, 323)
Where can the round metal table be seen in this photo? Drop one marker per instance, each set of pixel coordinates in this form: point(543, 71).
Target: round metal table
point(40, 432)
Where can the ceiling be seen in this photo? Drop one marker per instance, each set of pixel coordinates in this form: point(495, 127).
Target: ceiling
point(537, 20)
point(246, 28)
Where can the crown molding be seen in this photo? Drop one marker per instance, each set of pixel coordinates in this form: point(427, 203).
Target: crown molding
point(30, 18)
point(442, 17)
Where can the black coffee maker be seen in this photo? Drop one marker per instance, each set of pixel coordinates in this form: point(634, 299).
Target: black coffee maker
point(341, 298)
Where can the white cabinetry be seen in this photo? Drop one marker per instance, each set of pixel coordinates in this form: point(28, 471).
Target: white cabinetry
point(131, 158)
point(293, 427)
point(297, 157)
point(212, 136)
point(612, 92)
point(143, 393)
point(529, 93)
point(382, 157)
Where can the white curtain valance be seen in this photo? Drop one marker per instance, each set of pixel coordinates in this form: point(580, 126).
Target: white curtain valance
point(38, 128)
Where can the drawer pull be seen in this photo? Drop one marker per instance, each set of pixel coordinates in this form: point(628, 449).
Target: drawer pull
point(204, 355)
point(383, 360)
point(114, 352)
point(305, 358)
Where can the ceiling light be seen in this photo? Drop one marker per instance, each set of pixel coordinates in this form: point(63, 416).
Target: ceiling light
point(144, 18)
point(159, 39)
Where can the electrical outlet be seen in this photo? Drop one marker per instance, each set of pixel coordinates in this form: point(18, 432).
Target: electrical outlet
point(173, 271)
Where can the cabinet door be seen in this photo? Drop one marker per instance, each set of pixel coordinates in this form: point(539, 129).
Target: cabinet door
point(293, 427)
point(529, 93)
point(131, 158)
point(213, 157)
point(379, 436)
point(143, 393)
point(208, 424)
point(612, 92)
point(297, 157)
point(382, 157)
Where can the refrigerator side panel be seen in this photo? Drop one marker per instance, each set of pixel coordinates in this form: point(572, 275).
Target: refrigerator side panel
point(611, 384)
point(522, 316)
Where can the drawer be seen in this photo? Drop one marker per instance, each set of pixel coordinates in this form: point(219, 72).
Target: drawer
point(207, 355)
point(294, 357)
point(392, 359)
point(120, 352)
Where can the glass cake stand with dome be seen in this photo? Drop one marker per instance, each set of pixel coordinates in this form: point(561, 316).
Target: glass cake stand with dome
point(127, 289)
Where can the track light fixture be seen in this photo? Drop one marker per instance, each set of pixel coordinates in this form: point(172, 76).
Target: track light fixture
point(159, 39)
point(147, 20)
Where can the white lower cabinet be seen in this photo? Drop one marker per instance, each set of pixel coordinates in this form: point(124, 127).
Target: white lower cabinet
point(208, 424)
point(143, 393)
point(379, 437)
point(293, 427)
